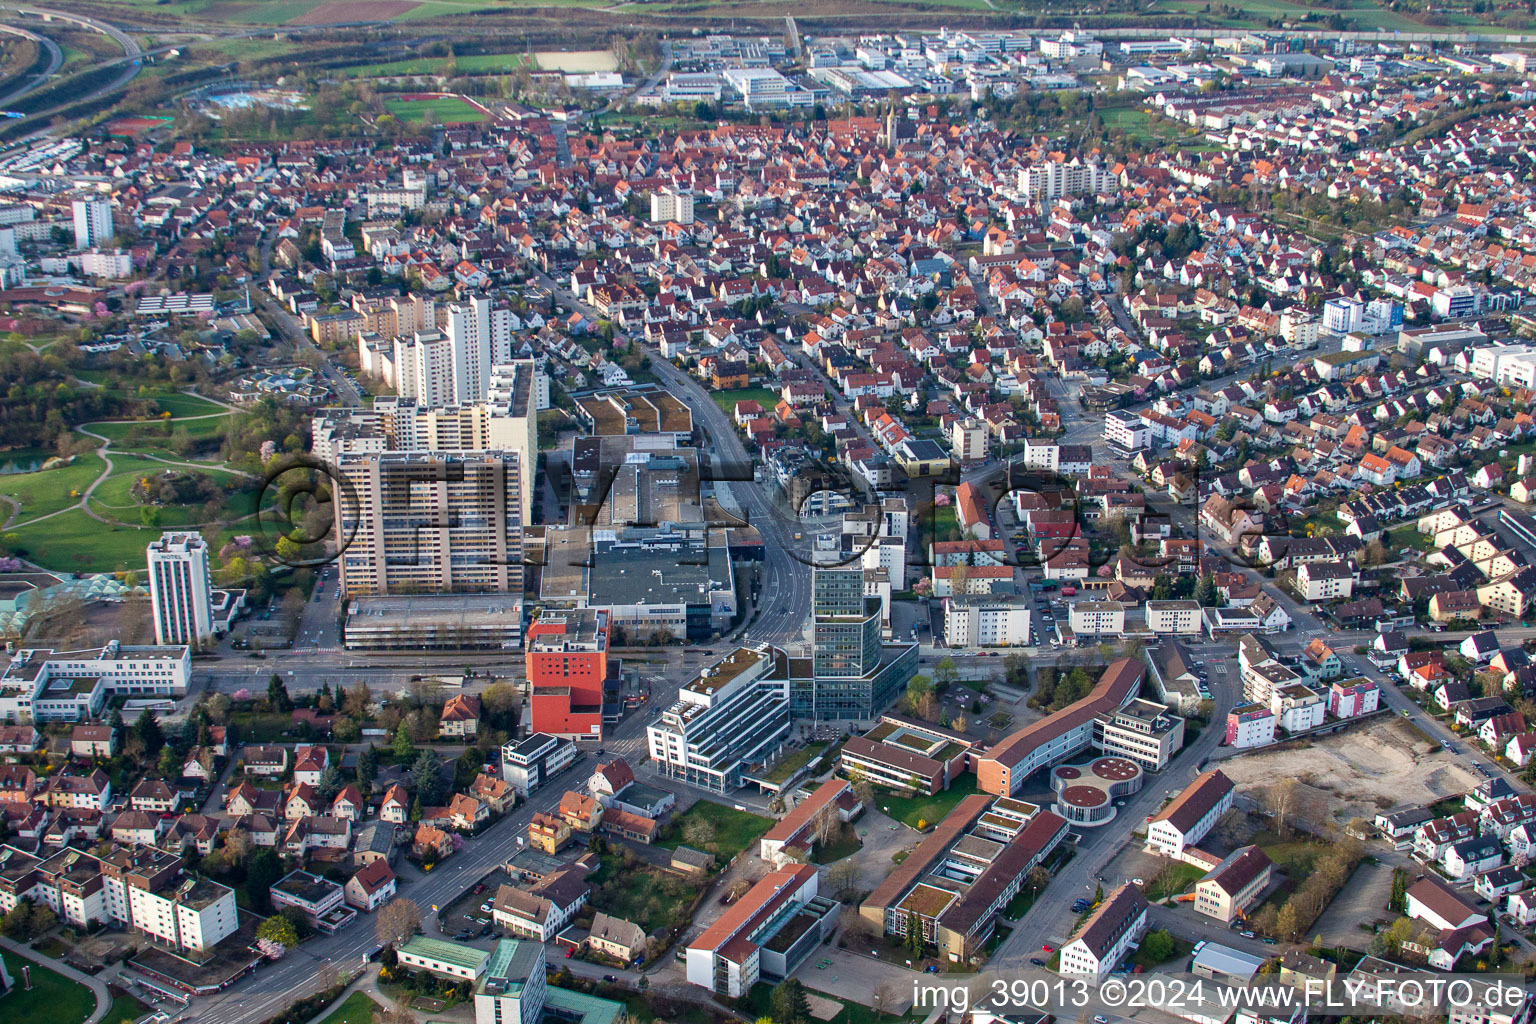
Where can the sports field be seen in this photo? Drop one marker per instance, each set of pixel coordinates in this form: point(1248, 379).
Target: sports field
point(435, 110)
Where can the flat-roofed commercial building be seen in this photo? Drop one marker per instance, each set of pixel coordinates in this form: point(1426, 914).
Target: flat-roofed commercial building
point(1143, 731)
point(566, 660)
point(42, 684)
point(733, 715)
point(903, 754)
point(452, 960)
point(434, 621)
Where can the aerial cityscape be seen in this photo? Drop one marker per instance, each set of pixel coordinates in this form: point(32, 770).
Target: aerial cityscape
point(724, 512)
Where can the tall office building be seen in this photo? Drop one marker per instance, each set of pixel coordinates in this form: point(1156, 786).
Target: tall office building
point(432, 522)
point(180, 593)
point(93, 223)
point(845, 624)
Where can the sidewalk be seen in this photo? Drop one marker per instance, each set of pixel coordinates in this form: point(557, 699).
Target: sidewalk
point(96, 985)
point(367, 982)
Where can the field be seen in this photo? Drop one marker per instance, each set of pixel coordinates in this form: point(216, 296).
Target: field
point(929, 810)
point(727, 400)
point(50, 490)
point(74, 542)
point(734, 830)
point(1356, 773)
point(435, 110)
point(357, 1009)
point(53, 998)
point(479, 63)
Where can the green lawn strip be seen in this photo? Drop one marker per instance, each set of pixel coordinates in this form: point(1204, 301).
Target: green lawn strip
point(477, 63)
point(49, 490)
point(53, 998)
point(357, 1008)
point(125, 1009)
point(929, 810)
point(74, 542)
point(727, 400)
point(157, 431)
point(734, 830)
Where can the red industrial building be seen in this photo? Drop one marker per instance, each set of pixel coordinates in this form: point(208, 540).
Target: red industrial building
point(567, 665)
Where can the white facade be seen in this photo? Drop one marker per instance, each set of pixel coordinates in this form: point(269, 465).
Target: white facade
point(731, 716)
point(1173, 616)
point(1127, 431)
point(113, 264)
point(1108, 935)
point(115, 669)
point(983, 621)
point(1096, 618)
point(968, 440)
point(1054, 180)
point(452, 366)
point(1343, 315)
point(671, 206)
point(93, 222)
point(180, 591)
point(1186, 820)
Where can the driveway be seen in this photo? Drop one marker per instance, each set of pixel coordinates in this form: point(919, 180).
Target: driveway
point(1362, 901)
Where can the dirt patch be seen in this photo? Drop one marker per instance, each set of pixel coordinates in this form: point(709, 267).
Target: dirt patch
point(1356, 773)
point(576, 61)
point(341, 12)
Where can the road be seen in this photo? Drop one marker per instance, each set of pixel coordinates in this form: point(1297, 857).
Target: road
point(275, 985)
point(31, 82)
point(785, 597)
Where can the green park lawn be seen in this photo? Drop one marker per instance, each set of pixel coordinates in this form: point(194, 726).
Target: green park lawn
point(74, 542)
point(357, 1009)
point(53, 998)
point(125, 1009)
point(439, 110)
point(479, 63)
point(50, 490)
point(929, 810)
point(734, 830)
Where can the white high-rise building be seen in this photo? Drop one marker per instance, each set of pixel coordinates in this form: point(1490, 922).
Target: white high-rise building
point(668, 205)
point(453, 366)
point(1054, 180)
point(93, 223)
point(179, 589)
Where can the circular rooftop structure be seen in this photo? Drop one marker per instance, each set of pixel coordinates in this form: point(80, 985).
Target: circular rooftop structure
point(1086, 793)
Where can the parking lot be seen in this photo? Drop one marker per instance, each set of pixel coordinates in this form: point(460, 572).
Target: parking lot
point(470, 915)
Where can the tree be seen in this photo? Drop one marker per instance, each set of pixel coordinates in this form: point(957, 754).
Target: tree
point(263, 873)
point(237, 845)
point(170, 764)
point(404, 749)
point(147, 729)
point(788, 1003)
point(699, 833)
point(278, 928)
point(843, 877)
point(1398, 901)
point(1278, 799)
point(17, 920)
point(1206, 593)
point(1158, 945)
point(367, 767)
point(427, 777)
point(914, 936)
point(277, 694)
point(355, 703)
point(398, 920)
point(883, 998)
point(330, 782)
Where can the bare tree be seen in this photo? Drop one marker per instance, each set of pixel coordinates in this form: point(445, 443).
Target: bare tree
point(237, 845)
point(883, 998)
point(328, 976)
point(826, 825)
point(398, 920)
point(842, 877)
point(1279, 798)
